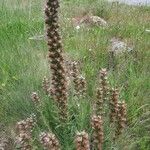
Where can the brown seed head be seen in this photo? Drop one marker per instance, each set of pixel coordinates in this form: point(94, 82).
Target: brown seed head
point(82, 141)
point(35, 98)
point(57, 65)
point(114, 105)
point(49, 141)
point(45, 85)
point(121, 120)
point(98, 135)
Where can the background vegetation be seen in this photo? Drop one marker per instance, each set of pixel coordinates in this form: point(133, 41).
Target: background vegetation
point(23, 61)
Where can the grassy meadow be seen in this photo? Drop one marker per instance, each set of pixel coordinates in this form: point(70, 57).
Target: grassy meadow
point(23, 64)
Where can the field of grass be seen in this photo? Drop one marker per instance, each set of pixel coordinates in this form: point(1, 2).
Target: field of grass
point(23, 64)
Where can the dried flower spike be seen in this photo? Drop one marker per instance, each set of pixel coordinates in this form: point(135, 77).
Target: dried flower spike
point(78, 80)
point(59, 81)
point(104, 83)
point(24, 129)
point(46, 85)
point(102, 92)
point(35, 98)
point(75, 75)
point(75, 71)
point(5, 143)
point(99, 101)
point(114, 105)
point(121, 122)
point(81, 86)
point(49, 141)
point(98, 135)
point(82, 141)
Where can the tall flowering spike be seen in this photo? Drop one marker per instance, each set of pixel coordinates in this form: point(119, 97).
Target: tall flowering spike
point(49, 141)
point(46, 85)
point(98, 135)
point(24, 129)
point(99, 101)
point(75, 75)
point(114, 105)
point(122, 114)
point(59, 84)
point(82, 141)
point(35, 98)
point(78, 80)
point(75, 72)
point(104, 82)
point(81, 86)
point(102, 92)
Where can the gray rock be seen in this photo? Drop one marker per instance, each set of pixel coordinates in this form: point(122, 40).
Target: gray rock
point(117, 46)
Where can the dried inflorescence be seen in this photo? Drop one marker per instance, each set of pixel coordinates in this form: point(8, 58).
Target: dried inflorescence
point(102, 92)
point(121, 120)
point(114, 105)
point(35, 98)
point(78, 80)
point(82, 141)
point(81, 86)
point(6, 143)
point(98, 135)
point(75, 75)
point(49, 141)
point(46, 85)
point(104, 83)
point(24, 129)
point(68, 66)
point(75, 71)
point(99, 101)
point(59, 83)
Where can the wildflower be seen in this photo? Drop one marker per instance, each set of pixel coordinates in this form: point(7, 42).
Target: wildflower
point(98, 135)
point(114, 105)
point(24, 129)
point(99, 101)
point(102, 92)
point(78, 80)
point(35, 98)
point(49, 141)
point(59, 81)
point(82, 141)
point(121, 122)
point(45, 85)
